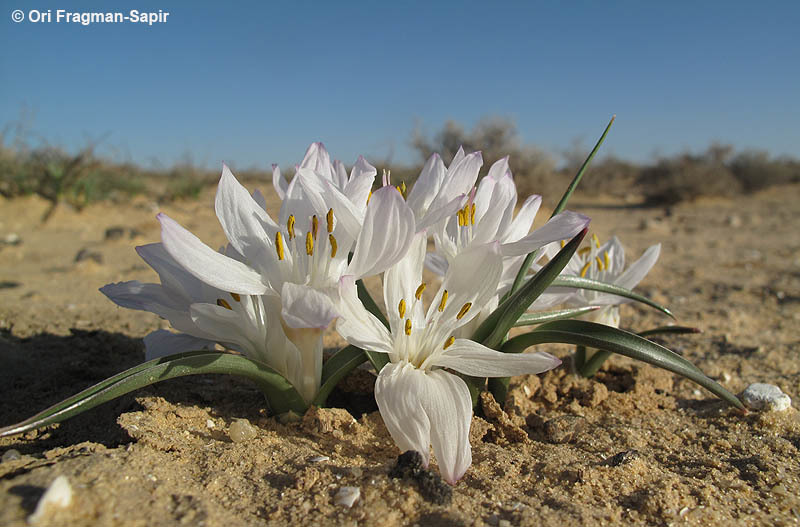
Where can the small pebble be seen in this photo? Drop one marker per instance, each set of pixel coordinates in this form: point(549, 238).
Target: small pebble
point(241, 430)
point(12, 239)
point(210, 423)
point(11, 455)
point(564, 429)
point(356, 471)
point(86, 254)
point(58, 494)
point(761, 396)
point(347, 496)
point(622, 458)
point(319, 459)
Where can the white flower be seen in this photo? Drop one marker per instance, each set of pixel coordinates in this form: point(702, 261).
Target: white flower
point(276, 285)
point(487, 217)
point(606, 263)
point(421, 403)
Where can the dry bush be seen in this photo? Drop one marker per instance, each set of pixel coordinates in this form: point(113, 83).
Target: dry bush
point(755, 170)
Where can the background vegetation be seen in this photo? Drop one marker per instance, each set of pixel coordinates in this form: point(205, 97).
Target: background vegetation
point(83, 177)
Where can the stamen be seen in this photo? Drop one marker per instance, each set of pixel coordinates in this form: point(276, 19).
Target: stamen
point(401, 308)
point(461, 222)
point(236, 297)
point(334, 245)
point(370, 195)
point(472, 214)
point(290, 226)
point(563, 243)
point(443, 301)
point(596, 240)
point(309, 244)
point(599, 263)
point(585, 269)
point(314, 225)
point(329, 217)
point(420, 289)
point(279, 245)
point(607, 259)
point(464, 310)
point(583, 251)
point(401, 188)
point(449, 342)
point(408, 326)
point(221, 302)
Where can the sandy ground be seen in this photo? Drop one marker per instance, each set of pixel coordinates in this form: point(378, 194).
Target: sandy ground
point(635, 445)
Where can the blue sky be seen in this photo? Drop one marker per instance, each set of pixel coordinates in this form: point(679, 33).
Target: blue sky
point(253, 83)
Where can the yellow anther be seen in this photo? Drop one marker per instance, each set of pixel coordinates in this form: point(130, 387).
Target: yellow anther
point(448, 342)
point(329, 217)
point(402, 189)
point(418, 292)
point(334, 245)
point(279, 245)
point(472, 214)
point(236, 297)
point(463, 310)
point(583, 251)
point(368, 197)
point(314, 226)
point(401, 308)
point(596, 240)
point(563, 243)
point(408, 326)
point(461, 222)
point(599, 263)
point(443, 302)
point(585, 269)
point(607, 259)
point(309, 244)
point(222, 303)
point(290, 226)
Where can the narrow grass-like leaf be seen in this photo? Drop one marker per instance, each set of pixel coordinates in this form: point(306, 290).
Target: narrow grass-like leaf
point(667, 330)
point(576, 282)
point(281, 395)
point(610, 339)
point(562, 203)
point(336, 368)
point(494, 329)
point(530, 319)
point(378, 360)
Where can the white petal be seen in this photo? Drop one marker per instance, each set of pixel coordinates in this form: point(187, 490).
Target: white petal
point(247, 226)
point(161, 343)
point(323, 196)
point(205, 263)
point(306, 307)
point(460, 178)
point(279, 182)
point(522, 223)
point(357, 325)
point(427, 186)
point(401, 282)
point(446, 399)
point(340, 174)
point(470, 358)
point(494, 221)
point(439, 213)
point(436, 263)
point(638, 269)
point(174, 278)
point(397, 392)
point(360, 184)
point(385, 235)
point(562, 226)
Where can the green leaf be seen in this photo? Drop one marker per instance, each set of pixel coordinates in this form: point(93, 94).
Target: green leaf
point(336, 368)
point(666, 330)
point(610, 339)
point(577, 282)
point(378, 360)
point(530, 319)
point(494, 329)
point(562, 203)
point(281, 395)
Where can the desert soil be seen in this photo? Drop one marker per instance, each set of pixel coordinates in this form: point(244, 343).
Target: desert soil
point(634, 445)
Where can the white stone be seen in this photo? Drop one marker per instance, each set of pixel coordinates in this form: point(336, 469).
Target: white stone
point(761, 396)
point(347, 496)
point(319, 459)
point(57, 495)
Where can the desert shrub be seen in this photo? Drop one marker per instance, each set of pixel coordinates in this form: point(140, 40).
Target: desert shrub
point(688, 176)
point(755, 170)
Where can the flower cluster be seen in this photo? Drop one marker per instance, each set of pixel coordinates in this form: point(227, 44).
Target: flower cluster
point(279, 283)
